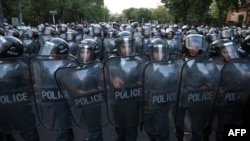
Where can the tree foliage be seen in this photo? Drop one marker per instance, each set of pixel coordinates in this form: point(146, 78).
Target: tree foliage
point(146, 15)
point(37, 11)
point(198, 11)
point(161, 14)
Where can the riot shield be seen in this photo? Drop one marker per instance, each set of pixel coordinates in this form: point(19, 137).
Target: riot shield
point(85, 97)
point(123, 83)
point(17, 100)
point(199, 83)
point(175, 49)
point(161, 86)
point(233, 94)
point(52, 110)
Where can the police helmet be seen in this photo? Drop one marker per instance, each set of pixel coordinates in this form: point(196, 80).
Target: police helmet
point(245, 45)
point(185, 27)
point(10, 46)
point(97, 29)
point(224, 48)
point(170, 30)
point(64, 28)
point(210, 37)
point(191, 32)
point(112, 33)
point(146, 31)
point(56, 46)
point(31, 33)
point(134, 24)
point(125, 43)
point(226, 34)
point(40, 28)
point(158, 49)
point(49, 31)
point(87, 46)
point(72, 25)
point(13, 32)
point(176, 26)
point(79, 28)
point(194, 41)
point(70, 35)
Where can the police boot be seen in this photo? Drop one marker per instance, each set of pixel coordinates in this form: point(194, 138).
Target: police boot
point(121, 138)
point(9, 137)
point(153, 139)
point(205, 138)
point(71, 134)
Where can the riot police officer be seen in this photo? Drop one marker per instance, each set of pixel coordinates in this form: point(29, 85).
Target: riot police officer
point(93, 82)
point(195, 80)
point(226, 113)
point(97, 29)
point(244, 50)
point(223, 48)
point(125, 77)
point(54, 51)
point(174, 44)
point(146, 33)
point(184, 30)
point(87, 51)
point(62, 29)
point(70, 38)
point(156, 84)
point(16, 79)
point(31, 43)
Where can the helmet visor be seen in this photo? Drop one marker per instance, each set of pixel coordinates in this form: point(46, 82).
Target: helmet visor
point(194, 42)
point(85, 53)
point(126, 46)
point(228, 51)
point(158, 52)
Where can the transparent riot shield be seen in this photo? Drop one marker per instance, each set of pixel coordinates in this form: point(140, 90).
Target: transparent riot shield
point(175, 49)
point(17, 99)
point(123, 83)
point(53, 112)
point(85, 97)
point(233, 94)
point(199, 83)
point(161, 86)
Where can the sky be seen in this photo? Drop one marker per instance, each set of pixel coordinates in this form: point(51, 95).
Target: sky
point(116, 6)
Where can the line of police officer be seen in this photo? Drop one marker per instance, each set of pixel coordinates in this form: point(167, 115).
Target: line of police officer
point(160, 90)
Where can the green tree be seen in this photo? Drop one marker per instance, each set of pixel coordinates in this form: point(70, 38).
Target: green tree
point(194, 10)
point(224, 5)
point(129, 13)
point(143, 15)
point(161, 14)
point(37, 11)
point(188, 10)
point(137, 14)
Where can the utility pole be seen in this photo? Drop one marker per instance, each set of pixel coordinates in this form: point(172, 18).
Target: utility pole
point(20, 12)
point(1, 12)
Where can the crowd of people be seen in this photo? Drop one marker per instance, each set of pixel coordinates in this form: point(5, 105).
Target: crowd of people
point(157, 76)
